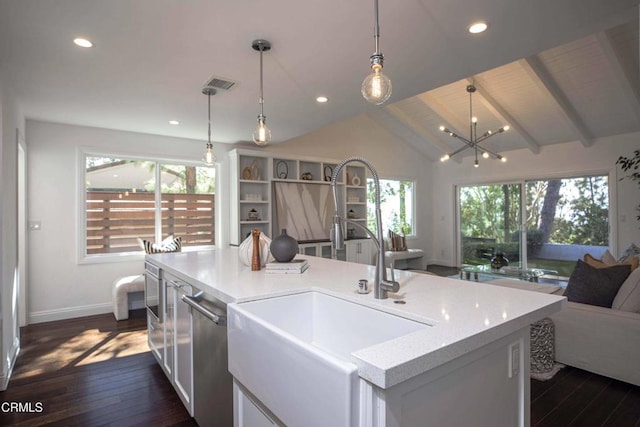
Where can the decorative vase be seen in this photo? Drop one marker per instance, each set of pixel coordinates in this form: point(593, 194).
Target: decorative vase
point(255, 256)
point(284, 247)
point(499, 261)
point(245, 251)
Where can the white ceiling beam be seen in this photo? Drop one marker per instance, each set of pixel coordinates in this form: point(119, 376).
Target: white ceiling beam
point(629, 91)
point(450, 120)
point(496, 109)
point(543, 80)
point(417, 127)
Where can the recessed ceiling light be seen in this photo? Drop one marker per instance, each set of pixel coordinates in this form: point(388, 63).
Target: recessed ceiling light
point(82, 42)
point(322, 99)
point(478, 27)
point(174, 122)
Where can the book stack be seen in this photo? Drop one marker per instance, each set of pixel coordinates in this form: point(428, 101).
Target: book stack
point(296, 266)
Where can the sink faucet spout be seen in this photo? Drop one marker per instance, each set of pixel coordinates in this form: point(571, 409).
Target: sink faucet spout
point(381, 285)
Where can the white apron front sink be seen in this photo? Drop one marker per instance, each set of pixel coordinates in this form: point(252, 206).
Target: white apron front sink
point(297, 348)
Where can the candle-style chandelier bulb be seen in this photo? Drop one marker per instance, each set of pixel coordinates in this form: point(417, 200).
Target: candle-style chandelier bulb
point(262, 134)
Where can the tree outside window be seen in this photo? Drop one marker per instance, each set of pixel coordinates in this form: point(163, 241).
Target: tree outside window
point(396, 206)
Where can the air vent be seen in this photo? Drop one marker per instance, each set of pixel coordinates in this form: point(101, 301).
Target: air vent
point(220, 83)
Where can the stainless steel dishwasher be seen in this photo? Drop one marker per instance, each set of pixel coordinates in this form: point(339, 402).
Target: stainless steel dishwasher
point(212, 382)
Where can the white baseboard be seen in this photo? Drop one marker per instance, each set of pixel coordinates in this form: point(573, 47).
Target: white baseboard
point(69, 313)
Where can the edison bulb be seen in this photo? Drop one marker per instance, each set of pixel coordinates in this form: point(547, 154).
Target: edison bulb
point(262, 134)
point(209, 159)
point(485, 155)
point(376, 87)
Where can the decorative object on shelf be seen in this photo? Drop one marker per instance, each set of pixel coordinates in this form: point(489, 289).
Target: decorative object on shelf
point(499, 261)
point(282, 169)
point(262, 134)
point(351, 214)
point(328, 171)
point(253, 215)
point(376, 87)
point(245, 250)
point(353, 199)
point(351, 233)
point(246, 173)
point(474, 141)
point(356, 180)
point(307, 176)
point(284, 247)
point(255, 171)
point(255, 253)
point(209, 159)
point(252, 197)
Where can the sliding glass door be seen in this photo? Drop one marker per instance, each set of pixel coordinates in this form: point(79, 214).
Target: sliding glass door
point(566, 218)
point(560, 220)
point(489, 221)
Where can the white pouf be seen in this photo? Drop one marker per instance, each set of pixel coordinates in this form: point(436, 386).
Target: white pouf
point(121, 289)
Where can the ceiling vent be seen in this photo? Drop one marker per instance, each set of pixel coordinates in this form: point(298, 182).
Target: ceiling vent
point(219, 83)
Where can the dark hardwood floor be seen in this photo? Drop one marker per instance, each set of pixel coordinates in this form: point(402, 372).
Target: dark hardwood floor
point(92, 371)
point(96, 371)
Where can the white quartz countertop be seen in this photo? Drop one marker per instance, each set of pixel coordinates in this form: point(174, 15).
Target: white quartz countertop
point(463, 315)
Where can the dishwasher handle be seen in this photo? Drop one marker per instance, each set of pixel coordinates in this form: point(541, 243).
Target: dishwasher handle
point(193, 302)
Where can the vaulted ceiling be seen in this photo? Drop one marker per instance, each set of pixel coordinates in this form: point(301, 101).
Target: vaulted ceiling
point(580, 91)
point(554, 71)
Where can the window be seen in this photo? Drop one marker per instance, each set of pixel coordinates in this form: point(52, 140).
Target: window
point(396, 206)
point(563, 219)
point(127, 199)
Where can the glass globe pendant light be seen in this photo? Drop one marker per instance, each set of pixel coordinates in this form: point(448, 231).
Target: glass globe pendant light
point(209, 159)
point(376, 87)
point(262, 134)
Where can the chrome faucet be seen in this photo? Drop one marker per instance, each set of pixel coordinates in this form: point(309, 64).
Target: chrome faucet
point(381, 286)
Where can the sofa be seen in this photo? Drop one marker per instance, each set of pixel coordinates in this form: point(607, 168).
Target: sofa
point(603, 340)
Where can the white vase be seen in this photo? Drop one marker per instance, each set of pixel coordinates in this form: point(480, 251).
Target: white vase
point(246, 250)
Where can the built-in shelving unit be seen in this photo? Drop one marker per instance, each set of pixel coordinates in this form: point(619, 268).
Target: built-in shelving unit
point(252, 175)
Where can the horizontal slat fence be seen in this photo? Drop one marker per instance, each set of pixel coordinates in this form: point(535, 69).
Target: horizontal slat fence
point(116, 219)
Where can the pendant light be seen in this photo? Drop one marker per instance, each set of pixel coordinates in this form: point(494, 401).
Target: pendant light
point(209, 159)
point(262, 134)
point(376, 87)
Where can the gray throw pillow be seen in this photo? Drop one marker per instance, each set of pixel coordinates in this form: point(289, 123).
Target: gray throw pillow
point(595, 286)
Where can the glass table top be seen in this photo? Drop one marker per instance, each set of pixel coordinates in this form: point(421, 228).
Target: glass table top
point(530, 274)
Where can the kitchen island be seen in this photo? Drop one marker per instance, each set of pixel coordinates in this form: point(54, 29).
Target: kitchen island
point(471, 365)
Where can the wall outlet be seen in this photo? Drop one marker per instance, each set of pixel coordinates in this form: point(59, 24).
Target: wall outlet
point(514, 360)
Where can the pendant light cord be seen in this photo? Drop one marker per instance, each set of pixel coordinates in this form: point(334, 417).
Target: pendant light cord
point(376, 27)
point(261, 85)
point(209, 112)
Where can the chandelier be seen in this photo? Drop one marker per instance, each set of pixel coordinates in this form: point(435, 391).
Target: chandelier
point(474, 140)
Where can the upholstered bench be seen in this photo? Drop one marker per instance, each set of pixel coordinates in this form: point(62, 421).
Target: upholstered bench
point(121, 289)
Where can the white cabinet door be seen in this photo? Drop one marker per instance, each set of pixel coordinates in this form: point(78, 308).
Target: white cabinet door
point(360, 251)
point(246, 413)
point(168, 316)
point(183, 332)
point(178, 334)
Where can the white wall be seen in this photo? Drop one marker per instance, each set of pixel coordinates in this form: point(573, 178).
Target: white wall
point(561, 159)
point(392, 158)
point(10, 121)
point(59, 286)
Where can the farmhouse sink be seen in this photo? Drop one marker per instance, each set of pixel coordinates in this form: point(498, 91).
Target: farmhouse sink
point(297, 348)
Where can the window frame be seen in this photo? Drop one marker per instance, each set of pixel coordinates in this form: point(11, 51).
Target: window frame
point(414, 225)
point(81, 203)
